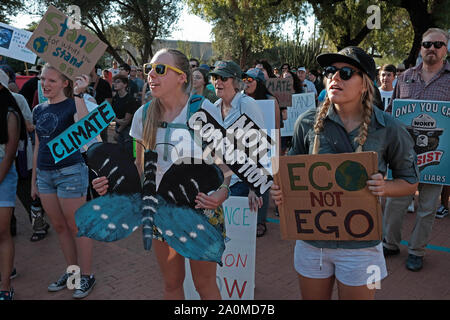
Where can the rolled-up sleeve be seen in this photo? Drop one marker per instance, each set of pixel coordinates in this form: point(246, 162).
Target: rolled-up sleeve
point(401, 157)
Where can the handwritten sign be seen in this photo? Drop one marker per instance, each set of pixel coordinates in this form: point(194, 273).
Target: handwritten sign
point(300, 103)
point(429, 126)
point(81, 132)
point(71, 51)
point(241, 146)
point(282, 89)
point(325, 197)
point(236, 279)
point(12, 43)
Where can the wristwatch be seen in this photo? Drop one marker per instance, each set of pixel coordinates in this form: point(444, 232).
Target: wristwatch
point(80, 95)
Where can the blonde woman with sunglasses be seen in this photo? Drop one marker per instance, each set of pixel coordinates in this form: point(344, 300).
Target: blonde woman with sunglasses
point(349, 108)
point(170, 81)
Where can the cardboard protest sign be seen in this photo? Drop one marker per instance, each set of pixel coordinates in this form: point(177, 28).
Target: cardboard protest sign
point(300, 103)
point(12, 43)
point(282, 89)
point(72, 51)
point(236, 278)
point(428, 123)
point(81, 132)
point(241, 146)
point(325, 197)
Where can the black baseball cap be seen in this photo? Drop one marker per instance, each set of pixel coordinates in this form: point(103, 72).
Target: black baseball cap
point(227, 68)
point(352, 55)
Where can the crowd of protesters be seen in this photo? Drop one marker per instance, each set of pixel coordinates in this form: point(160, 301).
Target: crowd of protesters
point(350, 91)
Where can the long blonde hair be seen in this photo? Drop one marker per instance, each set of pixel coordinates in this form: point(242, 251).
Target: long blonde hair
point(367, 103)
point(154, 111)
point(68, 91)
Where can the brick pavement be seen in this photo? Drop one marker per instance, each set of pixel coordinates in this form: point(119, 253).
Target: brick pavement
point(125, 271)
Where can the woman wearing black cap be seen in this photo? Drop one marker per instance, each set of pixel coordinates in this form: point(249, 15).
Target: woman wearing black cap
point(349, 108)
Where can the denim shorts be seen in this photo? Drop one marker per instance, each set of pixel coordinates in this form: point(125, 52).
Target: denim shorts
point(8, 188)
point(66, 182)
point(352, 267)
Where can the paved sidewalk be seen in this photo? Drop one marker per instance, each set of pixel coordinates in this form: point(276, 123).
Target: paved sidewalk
point(125, 271)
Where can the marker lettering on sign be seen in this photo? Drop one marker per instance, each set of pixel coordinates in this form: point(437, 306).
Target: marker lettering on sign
point(241, 147)
point(80, 133)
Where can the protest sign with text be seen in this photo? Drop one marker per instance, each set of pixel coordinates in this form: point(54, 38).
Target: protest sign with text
point(428, 124)
point(241, 147)
point(282, 89)
point(236, 278)
point(325, 197)
point(300, 103)
point(12, 43)
point(72, 51)
point(81, 132)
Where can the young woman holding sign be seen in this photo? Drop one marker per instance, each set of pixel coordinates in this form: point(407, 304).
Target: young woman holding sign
point(62, 186)
point(170, 80)
point(349, 108)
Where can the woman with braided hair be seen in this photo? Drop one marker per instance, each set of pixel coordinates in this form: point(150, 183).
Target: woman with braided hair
point(349, 110)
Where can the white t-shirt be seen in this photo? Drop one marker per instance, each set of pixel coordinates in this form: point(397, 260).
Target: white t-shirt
point(180, 143)
point(386, 97)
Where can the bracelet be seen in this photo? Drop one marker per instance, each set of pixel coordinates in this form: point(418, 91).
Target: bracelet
point(226, 187)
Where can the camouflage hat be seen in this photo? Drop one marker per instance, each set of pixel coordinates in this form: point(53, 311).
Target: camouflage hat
point(227, 68)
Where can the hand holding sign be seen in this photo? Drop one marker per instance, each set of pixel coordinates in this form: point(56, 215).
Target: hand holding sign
point(81, 83)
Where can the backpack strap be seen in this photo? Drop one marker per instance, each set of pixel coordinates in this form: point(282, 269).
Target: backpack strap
point(195, 103)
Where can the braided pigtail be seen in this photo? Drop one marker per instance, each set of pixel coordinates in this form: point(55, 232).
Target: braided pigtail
point(367, 101)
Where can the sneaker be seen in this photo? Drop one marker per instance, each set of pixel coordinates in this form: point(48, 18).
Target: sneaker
point(390, 252)
point(414, 263)
point(59, 284)
point(7, 295)
point(442, 212)
point(411, 207)
point(87, 283)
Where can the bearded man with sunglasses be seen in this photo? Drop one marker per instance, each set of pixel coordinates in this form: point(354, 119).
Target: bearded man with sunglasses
point(430, 80)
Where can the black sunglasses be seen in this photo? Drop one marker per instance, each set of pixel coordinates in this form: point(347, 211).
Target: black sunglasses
point(345, 73)
point(216, 77)
point(436, 44)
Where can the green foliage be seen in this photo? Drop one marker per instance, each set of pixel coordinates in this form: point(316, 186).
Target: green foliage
point(241, 27)
point(10, 8)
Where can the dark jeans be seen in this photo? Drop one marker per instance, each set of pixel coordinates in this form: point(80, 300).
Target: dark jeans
point(241, 189)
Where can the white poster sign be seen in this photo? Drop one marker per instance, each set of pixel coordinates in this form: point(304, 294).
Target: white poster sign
point(12, 43)
point(236, 278)
point(300, 103)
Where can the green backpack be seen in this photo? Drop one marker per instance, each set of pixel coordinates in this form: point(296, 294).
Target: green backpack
point(195, 103)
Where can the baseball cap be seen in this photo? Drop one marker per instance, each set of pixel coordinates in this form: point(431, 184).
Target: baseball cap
point(227, 68)
point(352, 55)
point(256, 74)
point(4, 79)
point(301, 69)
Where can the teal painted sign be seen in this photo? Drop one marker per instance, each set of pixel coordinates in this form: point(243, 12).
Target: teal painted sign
point(428, 123)
point(81, 132)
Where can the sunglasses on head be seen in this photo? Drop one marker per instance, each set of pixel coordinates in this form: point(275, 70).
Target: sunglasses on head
point(160, 68)
point(248, 79)
point(345, 73)
point(216, 77)
point(436, 44)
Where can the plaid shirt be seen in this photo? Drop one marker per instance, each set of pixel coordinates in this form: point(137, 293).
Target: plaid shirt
point(411, 86)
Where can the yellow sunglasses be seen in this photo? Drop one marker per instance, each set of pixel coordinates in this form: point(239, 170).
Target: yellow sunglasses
point(160, 69)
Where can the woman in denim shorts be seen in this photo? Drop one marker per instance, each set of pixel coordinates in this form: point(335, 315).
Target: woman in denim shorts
point(62, 186)
point(12, 128)
point(349, 108)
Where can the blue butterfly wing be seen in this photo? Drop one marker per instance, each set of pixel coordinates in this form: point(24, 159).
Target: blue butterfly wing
point(109, 218)
point(189, 232)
